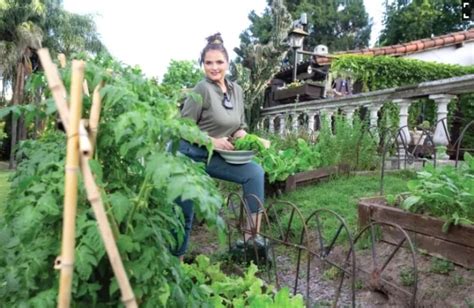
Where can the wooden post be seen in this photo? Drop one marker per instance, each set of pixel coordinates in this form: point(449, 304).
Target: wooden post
point(59, 95)
point(70, 194)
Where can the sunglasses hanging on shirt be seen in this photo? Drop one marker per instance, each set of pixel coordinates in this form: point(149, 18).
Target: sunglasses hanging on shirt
point(226, 102)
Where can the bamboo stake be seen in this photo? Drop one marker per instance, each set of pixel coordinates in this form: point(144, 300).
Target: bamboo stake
point(58, 91)
point(62, 59)
point(95, 115)
point(70, 193)
point(84, 143)
point(93, 194)
point(85, 88)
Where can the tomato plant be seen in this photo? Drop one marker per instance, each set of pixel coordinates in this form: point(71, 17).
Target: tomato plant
point(139, 180)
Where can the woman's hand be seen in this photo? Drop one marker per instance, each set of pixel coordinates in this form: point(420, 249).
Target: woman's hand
point(222, 143)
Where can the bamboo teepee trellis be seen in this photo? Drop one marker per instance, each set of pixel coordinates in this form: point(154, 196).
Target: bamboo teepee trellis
point(85, 144)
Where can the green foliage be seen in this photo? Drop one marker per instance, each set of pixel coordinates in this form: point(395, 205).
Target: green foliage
point(340, 25)
point(249, 142)
point(139, 180)
point(407, 276)
point(229, 291)
point(444, 192)
point(383, 72)
point(340, 195)
point(4, 188)
point(350, 143)
point(440, 266)
point(259, 61)
point(420, 19)
point(180, 75)
point(280, 163)
point(3, 135)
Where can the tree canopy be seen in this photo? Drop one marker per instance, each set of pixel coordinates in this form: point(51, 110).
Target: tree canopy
point(339, 24)
point(406, 21)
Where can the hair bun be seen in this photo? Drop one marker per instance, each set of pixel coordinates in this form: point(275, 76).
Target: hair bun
point(215, 39)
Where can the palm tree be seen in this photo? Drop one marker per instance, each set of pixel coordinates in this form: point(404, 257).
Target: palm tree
point(20, 36)
point(27, 25)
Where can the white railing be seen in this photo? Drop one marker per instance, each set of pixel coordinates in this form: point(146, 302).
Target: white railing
point(442, 92)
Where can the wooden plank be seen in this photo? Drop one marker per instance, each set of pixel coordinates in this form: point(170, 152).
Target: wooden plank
point(308, 177)
point(418, 223)
point(364, 216)
point(457, 253)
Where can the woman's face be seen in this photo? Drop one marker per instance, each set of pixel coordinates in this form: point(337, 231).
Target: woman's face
point(215, 65)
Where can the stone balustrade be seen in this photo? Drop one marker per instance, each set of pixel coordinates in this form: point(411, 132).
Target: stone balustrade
point(442, 92)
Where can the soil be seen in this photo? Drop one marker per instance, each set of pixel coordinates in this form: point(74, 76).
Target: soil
point(455, 288)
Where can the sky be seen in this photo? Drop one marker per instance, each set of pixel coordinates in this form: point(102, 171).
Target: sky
point(152, 33)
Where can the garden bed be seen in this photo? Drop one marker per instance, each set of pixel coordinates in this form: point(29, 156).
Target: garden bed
point(457, 245)
point(304, 178)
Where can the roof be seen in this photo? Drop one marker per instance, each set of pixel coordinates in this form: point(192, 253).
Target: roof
point(405, 48)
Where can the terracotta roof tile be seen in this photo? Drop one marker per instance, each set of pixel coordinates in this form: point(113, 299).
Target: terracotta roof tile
point(406, 48)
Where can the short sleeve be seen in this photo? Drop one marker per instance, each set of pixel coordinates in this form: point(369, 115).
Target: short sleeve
point(193, 104)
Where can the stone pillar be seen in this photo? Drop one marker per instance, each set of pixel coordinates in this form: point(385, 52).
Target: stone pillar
point(271, 124)
point(311, 116)
point(282, 124)
point(404, 134)
point(441, 134)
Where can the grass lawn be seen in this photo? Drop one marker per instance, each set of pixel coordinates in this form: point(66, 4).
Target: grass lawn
point(340, 195)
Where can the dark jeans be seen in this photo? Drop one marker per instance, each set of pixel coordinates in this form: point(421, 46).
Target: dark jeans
point(250, 176)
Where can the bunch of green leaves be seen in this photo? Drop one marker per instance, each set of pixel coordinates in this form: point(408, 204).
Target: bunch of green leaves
point(279, 164)
point(249, 142)
point(231, 291)
point(139, 180)
point(444, 192)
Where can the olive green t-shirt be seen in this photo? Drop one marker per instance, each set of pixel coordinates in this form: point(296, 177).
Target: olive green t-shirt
point(210, 114)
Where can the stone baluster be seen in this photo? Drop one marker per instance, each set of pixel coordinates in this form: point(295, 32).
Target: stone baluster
point(294, 122)
point(374, 109)
point(404, 134)
point(441, 133)
point(311, 116)
point(271, 124)
point(349, 112)
point(282, 124)
point(327, 115)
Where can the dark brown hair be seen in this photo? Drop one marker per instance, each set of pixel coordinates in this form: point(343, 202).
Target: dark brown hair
point(214, 42)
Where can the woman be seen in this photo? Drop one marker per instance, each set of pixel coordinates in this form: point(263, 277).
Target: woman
point(220, 115)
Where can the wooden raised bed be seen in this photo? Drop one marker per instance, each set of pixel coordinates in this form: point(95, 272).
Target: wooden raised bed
point(456, 246)
point(304, 92)
point(305, 178)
